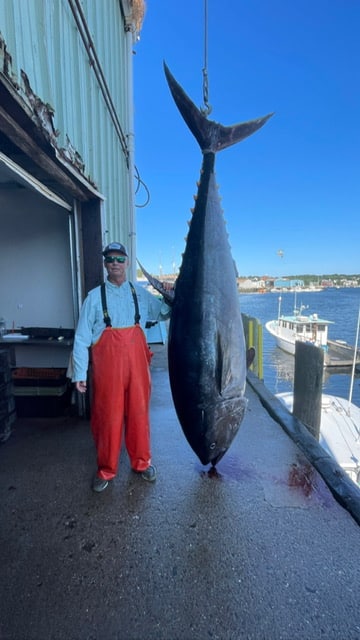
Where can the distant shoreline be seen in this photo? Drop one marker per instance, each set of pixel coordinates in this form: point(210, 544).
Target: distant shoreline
point(294, 290)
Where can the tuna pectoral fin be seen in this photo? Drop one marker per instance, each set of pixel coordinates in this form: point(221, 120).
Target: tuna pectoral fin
point(210, 135)
point(223, 366)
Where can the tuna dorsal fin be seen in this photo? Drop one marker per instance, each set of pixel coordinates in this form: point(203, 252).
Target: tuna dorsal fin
point(210, 135)
point(167, 295)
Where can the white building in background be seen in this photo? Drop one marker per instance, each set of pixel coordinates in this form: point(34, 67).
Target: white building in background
point(250, 284)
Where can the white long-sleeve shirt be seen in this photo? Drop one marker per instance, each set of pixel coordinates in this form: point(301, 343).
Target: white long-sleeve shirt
point(121, 309)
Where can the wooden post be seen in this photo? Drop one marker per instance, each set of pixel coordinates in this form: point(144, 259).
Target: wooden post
point(309, 366)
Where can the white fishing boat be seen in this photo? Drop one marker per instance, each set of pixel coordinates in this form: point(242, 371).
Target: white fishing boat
point(287, 330)
point(339, 431)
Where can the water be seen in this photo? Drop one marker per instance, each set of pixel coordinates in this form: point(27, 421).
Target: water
point(339, 305)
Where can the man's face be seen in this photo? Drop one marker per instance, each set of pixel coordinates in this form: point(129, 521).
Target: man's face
point(115, 263)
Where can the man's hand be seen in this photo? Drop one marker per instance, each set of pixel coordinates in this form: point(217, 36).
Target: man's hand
point(81, 386)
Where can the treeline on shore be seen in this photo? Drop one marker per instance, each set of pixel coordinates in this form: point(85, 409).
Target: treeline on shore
point(311, 278)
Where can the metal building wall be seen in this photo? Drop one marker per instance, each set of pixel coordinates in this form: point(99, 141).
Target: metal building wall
point(93, 113)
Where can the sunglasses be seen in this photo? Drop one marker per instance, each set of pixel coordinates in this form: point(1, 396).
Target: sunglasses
point(111, 259)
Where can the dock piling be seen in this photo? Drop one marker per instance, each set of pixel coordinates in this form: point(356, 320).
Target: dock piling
point(309, 365)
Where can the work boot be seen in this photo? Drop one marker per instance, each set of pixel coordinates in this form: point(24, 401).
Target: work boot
point(149, 474)
point(99, 484)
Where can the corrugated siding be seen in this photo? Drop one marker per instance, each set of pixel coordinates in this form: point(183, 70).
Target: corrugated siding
point(43, 40)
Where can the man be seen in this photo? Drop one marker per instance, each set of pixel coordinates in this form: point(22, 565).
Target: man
point(111, 322)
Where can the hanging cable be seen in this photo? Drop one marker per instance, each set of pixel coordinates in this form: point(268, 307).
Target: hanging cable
point(207, 107)
point(141, 183)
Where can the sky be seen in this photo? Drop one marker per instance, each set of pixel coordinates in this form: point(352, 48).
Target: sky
point(290, 192)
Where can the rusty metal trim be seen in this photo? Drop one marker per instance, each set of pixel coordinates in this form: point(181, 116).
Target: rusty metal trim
point(37, 139)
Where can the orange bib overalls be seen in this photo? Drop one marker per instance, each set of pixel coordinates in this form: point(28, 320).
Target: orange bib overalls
point(120, 398)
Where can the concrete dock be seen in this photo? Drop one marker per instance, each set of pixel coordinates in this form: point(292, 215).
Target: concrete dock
point(260, 550)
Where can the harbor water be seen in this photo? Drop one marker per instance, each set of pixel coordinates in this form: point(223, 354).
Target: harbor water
point(341, 306)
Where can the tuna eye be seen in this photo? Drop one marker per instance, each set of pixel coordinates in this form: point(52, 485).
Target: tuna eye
point(213, 445)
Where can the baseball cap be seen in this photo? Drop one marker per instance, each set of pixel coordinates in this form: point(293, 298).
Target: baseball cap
point(115, 246)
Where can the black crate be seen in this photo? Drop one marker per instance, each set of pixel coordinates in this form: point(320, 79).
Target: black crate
point(4, 362)
point(5, 376)
point(42, 402)
point(40, 392)
point(5, 426)
point(7, 403)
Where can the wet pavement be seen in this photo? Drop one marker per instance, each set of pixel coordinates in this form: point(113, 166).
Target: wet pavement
point(260, 550)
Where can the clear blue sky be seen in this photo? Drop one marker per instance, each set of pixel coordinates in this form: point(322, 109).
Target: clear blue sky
point(294, 185)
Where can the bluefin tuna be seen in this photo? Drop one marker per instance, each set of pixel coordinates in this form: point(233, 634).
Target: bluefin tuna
point(206, 345)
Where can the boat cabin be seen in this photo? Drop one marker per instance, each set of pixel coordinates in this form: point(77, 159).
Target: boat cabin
point(305, 328)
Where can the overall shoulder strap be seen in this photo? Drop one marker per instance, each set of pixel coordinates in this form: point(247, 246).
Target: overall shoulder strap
point(107, 318)
point(137, 314)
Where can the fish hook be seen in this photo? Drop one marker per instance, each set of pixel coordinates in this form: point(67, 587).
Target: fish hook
point(207, 109)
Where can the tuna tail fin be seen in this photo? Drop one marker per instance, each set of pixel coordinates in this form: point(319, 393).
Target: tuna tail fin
point(210, 135)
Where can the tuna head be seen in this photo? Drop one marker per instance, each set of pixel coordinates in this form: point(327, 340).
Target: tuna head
point(210, 429)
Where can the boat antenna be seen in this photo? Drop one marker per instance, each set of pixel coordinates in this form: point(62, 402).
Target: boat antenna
point(354, 361)
point(207, 108)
